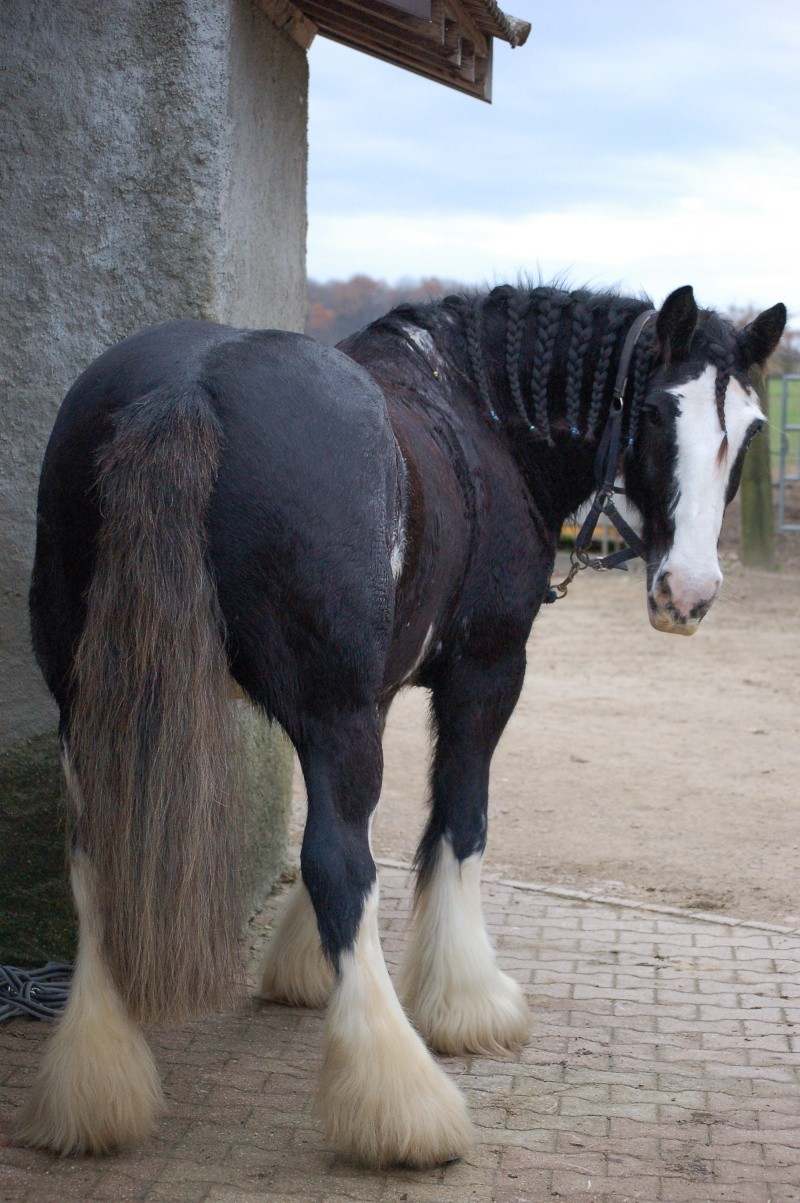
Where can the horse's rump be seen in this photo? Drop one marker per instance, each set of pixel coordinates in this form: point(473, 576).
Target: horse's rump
point(213, 502)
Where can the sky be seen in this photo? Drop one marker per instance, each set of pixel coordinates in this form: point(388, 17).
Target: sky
point(639, 145)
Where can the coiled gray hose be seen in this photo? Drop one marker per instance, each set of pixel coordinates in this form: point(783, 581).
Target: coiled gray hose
point(38, 993)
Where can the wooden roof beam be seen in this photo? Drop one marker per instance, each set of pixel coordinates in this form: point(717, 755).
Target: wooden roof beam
point(363, 14)
point(287, 17)
point(454, 47)
point(383, 44)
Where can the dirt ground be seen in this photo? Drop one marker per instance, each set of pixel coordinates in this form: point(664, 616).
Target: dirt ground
point(643, 765)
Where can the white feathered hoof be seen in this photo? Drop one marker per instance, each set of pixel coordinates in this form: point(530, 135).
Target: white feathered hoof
point(98, 1089)
point(450, 983)
point(383, 1099)
point(296, 971)
point(486, 1015)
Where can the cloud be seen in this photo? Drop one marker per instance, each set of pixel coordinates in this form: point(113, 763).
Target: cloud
point(652, 151)
point(728, 230)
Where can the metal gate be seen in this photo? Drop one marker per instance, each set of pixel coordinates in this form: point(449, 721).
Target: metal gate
point(790, 446)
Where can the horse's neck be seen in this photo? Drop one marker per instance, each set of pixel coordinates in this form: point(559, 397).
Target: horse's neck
point(543, 366)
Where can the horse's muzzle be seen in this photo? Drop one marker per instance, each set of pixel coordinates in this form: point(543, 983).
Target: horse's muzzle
point(678, 608)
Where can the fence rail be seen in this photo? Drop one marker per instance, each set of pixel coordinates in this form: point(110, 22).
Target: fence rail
point(788, 458)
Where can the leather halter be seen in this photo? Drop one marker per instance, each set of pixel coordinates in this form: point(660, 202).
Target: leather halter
point(606, 469)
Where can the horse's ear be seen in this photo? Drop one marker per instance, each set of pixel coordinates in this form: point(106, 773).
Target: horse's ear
point(760, 338)
point(676, 324)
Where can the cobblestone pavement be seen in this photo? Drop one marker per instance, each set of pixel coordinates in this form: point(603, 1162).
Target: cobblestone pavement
point(664, 1064)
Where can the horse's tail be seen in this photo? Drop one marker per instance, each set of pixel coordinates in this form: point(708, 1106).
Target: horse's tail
point(149, 729)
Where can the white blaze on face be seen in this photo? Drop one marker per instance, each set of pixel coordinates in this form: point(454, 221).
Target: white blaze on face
point(702, 482)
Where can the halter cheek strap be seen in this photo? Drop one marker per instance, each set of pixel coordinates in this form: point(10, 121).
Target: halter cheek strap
point(606, 469)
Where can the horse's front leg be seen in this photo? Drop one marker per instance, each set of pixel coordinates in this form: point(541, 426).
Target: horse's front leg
point(383, 1098)
point(458, 998)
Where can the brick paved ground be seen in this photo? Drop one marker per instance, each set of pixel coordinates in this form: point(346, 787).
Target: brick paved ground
point(664, 1065)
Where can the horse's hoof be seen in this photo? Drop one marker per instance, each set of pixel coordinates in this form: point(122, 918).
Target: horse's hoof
point(296, 970)
point(490, 1016)
point(383, 1098)
point(98, 1089)
point(459, 1000)
point(409, 1113)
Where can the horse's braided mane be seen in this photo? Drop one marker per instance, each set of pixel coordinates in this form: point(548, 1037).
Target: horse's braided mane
point(476, 356)
point(533, 322)
point(539, 311)
point(548, 318)
point(518, 304)
point(640, 371)
point(582, 327)
point(614, 323)
point(720, 348)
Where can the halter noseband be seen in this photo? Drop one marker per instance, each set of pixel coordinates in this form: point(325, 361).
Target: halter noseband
point(606, 469)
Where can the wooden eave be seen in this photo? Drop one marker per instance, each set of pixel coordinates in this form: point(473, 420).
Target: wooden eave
point(452, 46)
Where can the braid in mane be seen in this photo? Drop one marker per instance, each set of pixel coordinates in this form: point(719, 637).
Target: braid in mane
point(576, 356)
point(517, 309)
point(723, 359)
point(476, 357)
point(616, 319)
point(640, 371)
point(544, 340)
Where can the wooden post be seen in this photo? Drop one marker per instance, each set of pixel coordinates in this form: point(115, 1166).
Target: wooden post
point(757, 545)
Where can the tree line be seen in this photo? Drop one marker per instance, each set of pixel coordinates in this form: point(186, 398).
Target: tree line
point(340, 307)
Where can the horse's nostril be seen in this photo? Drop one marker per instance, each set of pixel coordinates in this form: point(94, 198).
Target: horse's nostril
point(701, 609)
point(662, 586)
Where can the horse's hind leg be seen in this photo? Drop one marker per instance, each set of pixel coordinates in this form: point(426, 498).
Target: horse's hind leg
point(98, 1087)
point(383, 1098)
point(458, 998)
point(296, 971)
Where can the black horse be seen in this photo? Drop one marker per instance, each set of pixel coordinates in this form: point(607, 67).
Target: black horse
point(319, 528)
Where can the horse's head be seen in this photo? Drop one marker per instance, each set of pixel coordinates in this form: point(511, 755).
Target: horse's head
point(697, 418)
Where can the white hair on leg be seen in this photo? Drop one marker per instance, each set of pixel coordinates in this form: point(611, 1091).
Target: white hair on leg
point(383, 1098)
point(396, 557)
point(458, 998)
point(98, 1087)
point(296, 971)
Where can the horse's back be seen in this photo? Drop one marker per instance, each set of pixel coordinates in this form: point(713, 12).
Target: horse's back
point(281, 389)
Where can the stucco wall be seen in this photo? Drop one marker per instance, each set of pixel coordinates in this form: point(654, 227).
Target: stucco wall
point(263, 263)
point(152, 166)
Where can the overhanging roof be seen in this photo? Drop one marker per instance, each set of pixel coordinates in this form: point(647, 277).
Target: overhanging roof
point(449, 41)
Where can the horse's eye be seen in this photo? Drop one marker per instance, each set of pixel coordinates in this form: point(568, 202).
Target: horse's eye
point(653, 415)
